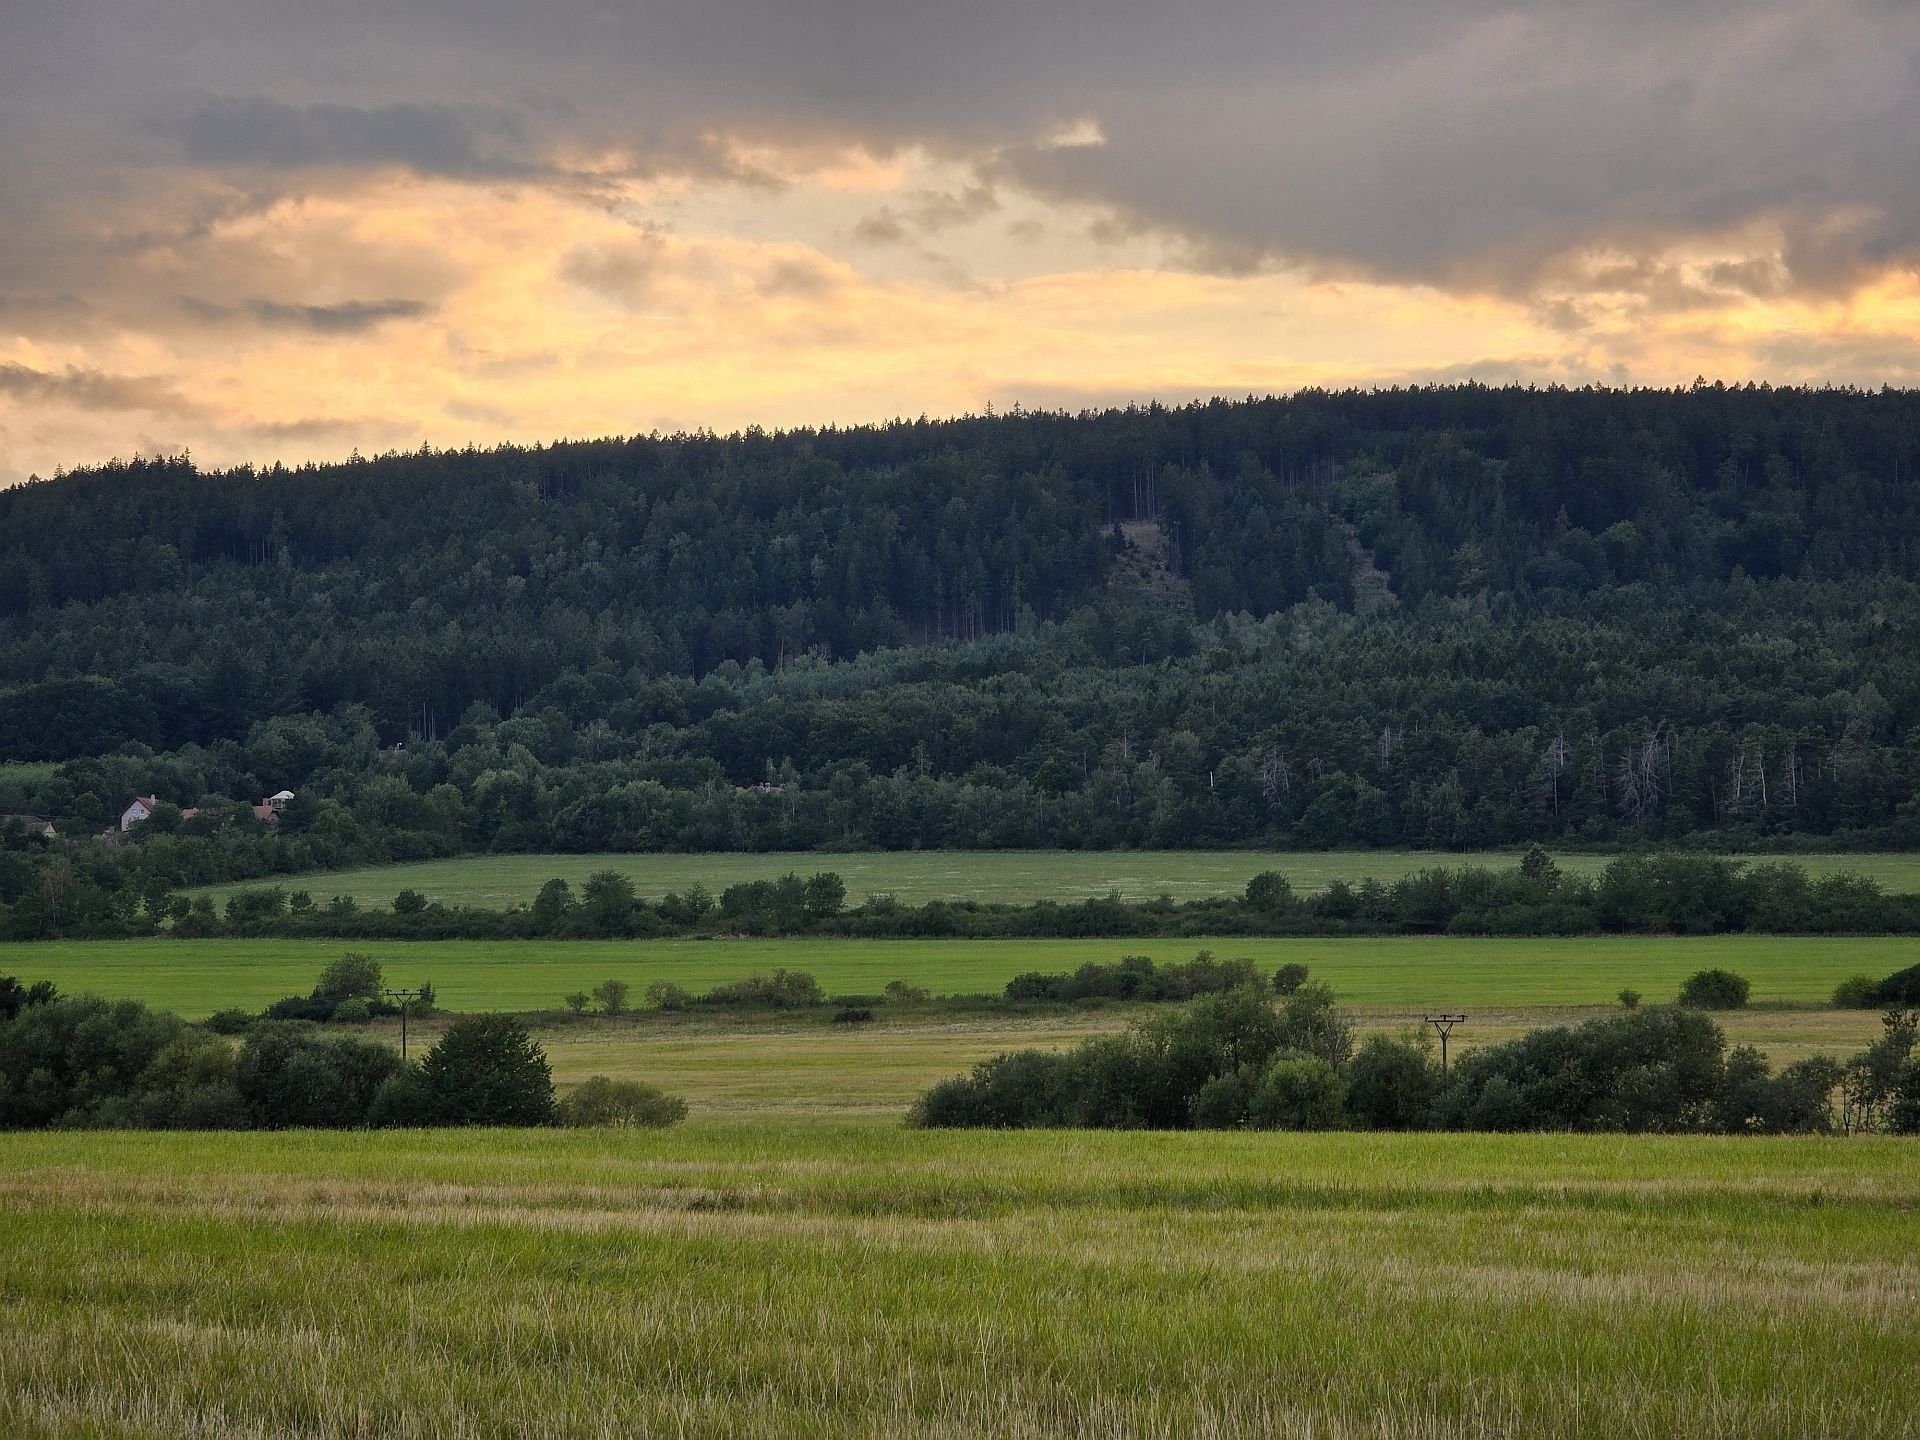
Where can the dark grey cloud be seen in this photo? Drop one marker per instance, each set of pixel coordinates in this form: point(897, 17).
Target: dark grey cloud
point(430, 139)
point(348, 317)
point(1466, 142)
point(93, 390)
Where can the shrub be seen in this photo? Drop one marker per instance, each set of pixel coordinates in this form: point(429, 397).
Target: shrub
point(1269, 895)
point(292, 1078)
point(1224, 1101)
point(1650, 1070)
point(1136, 977)
point(612, 995)
point(825, 894)
point(782, 990)
point(1298, 1092)
point(188, 1086)
point(665, 995)
point(15, 997)
point(1857, 992)
point(353, 1011)
point(487, 1070)
point(1715, 990)
point(853, 1015)
point(409, 902)
point(232, 1021)
point(350, 976)
point(1391, 1084)
point(1903, 1116)
point(1013, 1091)
point(621, 1103)
point(899, 992)
point(578, 1001)
point(1289, 977)
point(404, 1101)
point(1629, 999)
point(1797, 1101)
point(300, 1007)
point(1900, 988)
point(1310, 1023)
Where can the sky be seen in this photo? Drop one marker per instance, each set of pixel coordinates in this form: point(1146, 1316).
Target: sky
point(265, 230)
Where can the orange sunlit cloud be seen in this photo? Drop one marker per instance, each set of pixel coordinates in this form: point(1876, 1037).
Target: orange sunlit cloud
point(539, 311)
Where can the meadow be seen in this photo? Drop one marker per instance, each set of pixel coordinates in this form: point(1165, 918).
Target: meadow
point(197, 977)
point(917, 876)
point(833, 1280)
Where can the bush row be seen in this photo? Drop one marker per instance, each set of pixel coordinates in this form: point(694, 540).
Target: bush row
point(1680, 893)
point(1236, 1060)
point(91, 1063)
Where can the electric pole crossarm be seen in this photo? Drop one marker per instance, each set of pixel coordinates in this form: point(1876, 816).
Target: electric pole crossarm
point(1444, 1023)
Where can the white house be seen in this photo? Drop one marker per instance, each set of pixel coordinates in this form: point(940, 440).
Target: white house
point(140, 809)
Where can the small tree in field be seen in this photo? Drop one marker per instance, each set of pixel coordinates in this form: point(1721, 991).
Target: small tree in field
point(612, 995)
point(1288, 979)
point(621, 1103)
point(578, 1001)
point(1715, 990)
point(487, 1070)
point(665, 995)
point(1269, 894)
point(350, 977)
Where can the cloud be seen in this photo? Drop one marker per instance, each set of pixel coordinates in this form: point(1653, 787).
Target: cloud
point(623, 272)
point(926, 212)
point(450, 214)
point(429, 139)
point(347, 317)
point(1463, 142)
point(85, 389)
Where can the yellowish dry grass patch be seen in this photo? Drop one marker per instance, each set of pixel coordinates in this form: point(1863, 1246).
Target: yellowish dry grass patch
point(762, 1278)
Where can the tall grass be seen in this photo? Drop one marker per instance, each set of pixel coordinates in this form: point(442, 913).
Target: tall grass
point(844, 1281)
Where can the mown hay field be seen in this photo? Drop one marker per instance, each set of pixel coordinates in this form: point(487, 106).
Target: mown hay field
point(914, 877)
point(823, 1280)
point(197, 977)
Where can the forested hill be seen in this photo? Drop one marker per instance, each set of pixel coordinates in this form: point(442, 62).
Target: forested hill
point(1455, 615)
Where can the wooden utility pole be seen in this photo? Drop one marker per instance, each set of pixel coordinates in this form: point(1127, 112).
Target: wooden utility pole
point(1444, 1024)
point(406, 999)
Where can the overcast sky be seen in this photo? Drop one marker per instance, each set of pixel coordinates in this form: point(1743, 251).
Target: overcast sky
point(276, 230)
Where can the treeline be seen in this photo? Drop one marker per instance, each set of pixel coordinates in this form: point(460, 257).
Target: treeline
point(87, 1063)
point(1674, 893)
point(1438, 618)
point(1236, 1061)
point(420, 584)
point(1744, 716)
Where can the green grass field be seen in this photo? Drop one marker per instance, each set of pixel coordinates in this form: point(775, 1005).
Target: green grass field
point(495, 881)
point(828, 1281)
point(196, 977)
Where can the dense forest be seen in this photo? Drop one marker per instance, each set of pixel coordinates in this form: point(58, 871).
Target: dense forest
point(1441, 617)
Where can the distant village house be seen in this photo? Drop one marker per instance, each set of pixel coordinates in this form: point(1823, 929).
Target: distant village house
point(143, 806)
point(31, 824)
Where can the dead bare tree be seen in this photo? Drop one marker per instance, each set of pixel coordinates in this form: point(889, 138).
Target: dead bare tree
point(1554, 761)
point(1276, 785)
